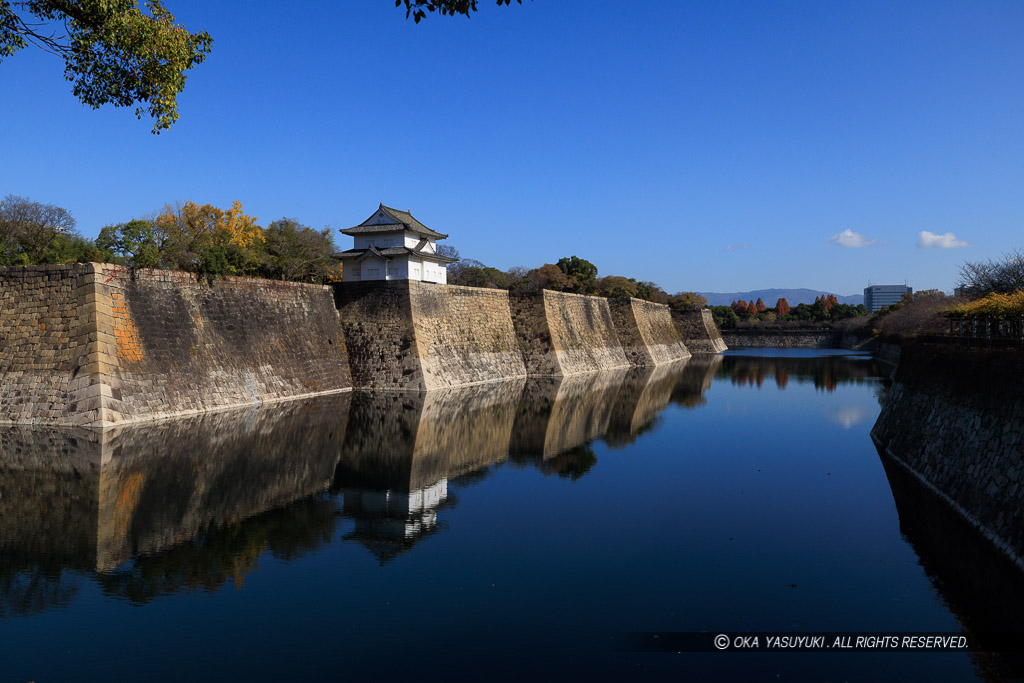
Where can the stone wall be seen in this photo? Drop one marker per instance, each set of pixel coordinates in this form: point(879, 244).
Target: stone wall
point(646, 332)
point(808, 339)
point(464, 335)
point(46, 340)
point(699, 331)
point(563, 334)
point(955, 420)
point(421, 336)
point(99, 345)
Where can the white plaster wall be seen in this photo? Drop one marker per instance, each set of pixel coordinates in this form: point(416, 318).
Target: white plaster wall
point(381, 240)
point(373, 269)
point(398, 268)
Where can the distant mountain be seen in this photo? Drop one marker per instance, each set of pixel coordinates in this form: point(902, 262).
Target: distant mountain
point(793, 297)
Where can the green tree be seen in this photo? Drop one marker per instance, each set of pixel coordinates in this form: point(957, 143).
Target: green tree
point(293, 251)
point(725, 317)
point(582, 274)
point(114, 51)
point(418, 9)
point(138, 242)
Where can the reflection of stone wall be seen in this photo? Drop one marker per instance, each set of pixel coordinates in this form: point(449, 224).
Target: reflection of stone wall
point(556, 415)
point(114, 346)
point(955, 419)
point(408, 441)
point(49, 482)
point(95, 499)
point(565, 334)
point(695, 380)
point(418, 335)
point(646, 332)
point(643, 394)
point(699, 331)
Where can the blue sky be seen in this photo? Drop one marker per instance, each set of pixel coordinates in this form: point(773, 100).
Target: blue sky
point(648, 137)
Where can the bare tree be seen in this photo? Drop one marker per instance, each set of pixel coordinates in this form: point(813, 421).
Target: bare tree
point(31, 227)
point(978, 278)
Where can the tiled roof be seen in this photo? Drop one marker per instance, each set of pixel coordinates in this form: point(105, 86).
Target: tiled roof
point(389, 252)
point(403, 221)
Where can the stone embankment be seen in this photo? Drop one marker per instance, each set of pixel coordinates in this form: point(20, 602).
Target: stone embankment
point(97, 345)
point(806, 339)
point(564, 334)
point(699, 331)
point(955, 420)
point(420, 336)
point(646, 332)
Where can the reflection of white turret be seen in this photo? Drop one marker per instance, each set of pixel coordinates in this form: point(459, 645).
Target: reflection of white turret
point(390, 522)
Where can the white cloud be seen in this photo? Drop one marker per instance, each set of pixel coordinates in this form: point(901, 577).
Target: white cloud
point(734, 247)
point(850, 239)
point(849, 416)
point(929, 240)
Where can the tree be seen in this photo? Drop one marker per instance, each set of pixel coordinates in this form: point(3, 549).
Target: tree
point(751, 308)
point(582, 274)
point(616, 286)
point(761, 308)
point(782, 307)
point(651, 291)
point(296, 252)
point(28, 229)
point(419, 8)
point(687, 300)
point(205, 239)
point(448, 251)
point(725, 317)
point(1005, 276)
point(114, 52)
point(139, 242)
point(549, 276)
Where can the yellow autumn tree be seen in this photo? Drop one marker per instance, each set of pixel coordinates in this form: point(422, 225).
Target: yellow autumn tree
point(209, 240)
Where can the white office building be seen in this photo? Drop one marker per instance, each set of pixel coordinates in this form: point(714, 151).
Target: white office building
point(877, 297)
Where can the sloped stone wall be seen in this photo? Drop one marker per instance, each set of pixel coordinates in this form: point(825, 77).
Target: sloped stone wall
point(98, 345)
point(646, 332)
point(464, 335)
point(699, 331)
point(563, 334)
point(955, 420)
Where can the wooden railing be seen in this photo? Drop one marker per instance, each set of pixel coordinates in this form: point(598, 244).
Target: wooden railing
point(984, 330)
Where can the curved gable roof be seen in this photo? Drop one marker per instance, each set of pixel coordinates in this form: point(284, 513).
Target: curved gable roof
point(403, 220)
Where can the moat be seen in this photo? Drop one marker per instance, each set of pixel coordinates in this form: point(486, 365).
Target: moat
point(504, 530)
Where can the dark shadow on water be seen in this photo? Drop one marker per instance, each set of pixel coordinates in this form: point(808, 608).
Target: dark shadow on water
point(981, 587)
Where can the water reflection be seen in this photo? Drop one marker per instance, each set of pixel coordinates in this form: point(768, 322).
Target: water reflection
point(981, 587)
point(826, 373)
point(192, 504)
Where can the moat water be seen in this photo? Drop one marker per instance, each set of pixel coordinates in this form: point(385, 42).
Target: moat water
point(500, 531)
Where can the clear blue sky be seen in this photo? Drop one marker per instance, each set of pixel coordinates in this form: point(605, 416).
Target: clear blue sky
point(648, 137)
